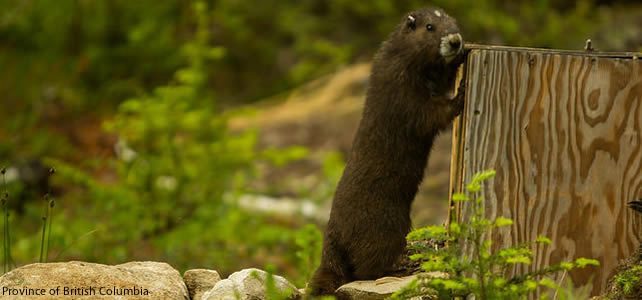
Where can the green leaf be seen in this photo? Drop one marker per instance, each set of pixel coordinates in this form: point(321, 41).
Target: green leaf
point(583, 262)
point(416, 256)
point(500, 282)
point(454, 285)
point(455, 229)
point(475, 183)
point(216, 53)
point(131, 106)
point(485, 175)
point(519, 260)
point(501, 221)
point(473, 187)
point(460, 197)
point(281, 157)
point(472, 283)
point(530, 284)
point(549, 283)
point(428, 232)
point(543, 240)
point(436, 264)
point(567, 266)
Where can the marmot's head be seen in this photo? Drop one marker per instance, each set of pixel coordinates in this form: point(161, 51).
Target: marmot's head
point(428, 36)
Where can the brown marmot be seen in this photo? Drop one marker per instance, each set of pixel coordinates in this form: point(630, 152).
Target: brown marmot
point(407, 104)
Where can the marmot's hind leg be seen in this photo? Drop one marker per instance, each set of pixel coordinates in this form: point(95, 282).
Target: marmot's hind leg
point(376, 262)
point(332, 273)
point(324, 282)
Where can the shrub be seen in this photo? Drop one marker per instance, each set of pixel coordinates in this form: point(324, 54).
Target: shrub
point(469, 260)
point(179, 173)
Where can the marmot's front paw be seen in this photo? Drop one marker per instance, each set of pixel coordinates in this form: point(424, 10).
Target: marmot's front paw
point(459, 97)
point(462, 86)
point(458, 104)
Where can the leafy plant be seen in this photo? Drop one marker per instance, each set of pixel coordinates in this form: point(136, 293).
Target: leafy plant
point(629, 280)
point(179, 174)
point(471, 264)
point(309, 241)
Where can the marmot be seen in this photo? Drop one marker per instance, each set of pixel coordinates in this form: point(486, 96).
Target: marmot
point(407, 104)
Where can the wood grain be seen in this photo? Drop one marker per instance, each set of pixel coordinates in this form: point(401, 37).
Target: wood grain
point(564, 133)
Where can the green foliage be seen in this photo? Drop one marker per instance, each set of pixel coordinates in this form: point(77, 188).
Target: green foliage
point(7, 261)
point(82, 55)
point(567, 291)
point(629, 280)
point(281, 157)
point(179, 173)
point(182, 163)
point(309, 242)
point(177, 159)
point(470, 261)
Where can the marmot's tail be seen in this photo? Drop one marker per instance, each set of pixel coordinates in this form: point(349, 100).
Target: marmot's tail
point(636, 205)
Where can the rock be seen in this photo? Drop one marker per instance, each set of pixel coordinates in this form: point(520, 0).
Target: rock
point(381, 288)
point(249, 284)
point(81, 280)
point(199, 281)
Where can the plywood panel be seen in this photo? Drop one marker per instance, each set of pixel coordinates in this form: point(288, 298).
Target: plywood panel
point(564, 133)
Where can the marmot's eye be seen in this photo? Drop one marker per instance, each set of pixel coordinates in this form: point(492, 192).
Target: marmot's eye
point(411, 22)
point(429, 27)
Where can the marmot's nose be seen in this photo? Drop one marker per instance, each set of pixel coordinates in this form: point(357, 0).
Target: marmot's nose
point(455, 41)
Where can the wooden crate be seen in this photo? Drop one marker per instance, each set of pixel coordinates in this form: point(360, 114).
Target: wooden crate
point(563, 130)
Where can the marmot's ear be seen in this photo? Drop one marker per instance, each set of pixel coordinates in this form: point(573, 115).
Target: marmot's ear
point(411, 22)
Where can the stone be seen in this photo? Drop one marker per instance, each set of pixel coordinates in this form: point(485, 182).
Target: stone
point(249, 284)
point(199, 281)
point(82, 280)
point(381, 288)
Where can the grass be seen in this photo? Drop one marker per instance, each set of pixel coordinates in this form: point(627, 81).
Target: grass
point(6, 241)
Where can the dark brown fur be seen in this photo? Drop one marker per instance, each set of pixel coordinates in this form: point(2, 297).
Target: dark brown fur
point(407, 105)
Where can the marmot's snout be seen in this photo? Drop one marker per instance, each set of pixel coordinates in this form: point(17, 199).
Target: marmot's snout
point(451, 45)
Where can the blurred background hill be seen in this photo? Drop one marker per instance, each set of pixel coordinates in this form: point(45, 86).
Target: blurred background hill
point(208, 133)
